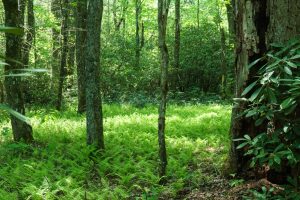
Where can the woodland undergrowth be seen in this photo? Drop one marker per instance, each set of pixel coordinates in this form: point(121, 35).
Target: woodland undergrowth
point(59, 165)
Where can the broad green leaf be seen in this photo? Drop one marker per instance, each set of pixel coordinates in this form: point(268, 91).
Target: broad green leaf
point(291, 64)
point(295, 57)
point(259, 121)
point(15, 113)
point(3, 63)
point(12, 30)
point(242, 145)
point(249, 88)
point(251, 113)
point(288, 70)
point(271, 96)
point(255, 94)
point(247, 137)
point(287, 103)
point(277, 159)
point(254, 63)
point(18, 75)
point(33, 70)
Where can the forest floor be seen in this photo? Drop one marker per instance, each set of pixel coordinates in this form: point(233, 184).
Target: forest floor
point(59, 165)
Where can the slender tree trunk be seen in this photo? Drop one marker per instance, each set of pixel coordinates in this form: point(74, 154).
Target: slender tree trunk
point(143, 35)
point(177, 43)
point(198, 14)
point(1, 92)
point(56, 47)
point(30, 33)
point(80, 53)
point(137, 33)
point(258, 24)
point(163, 8)
point(13, 85)
point(230, 7)
point(64, 52)
point(71, 43)
point(223, 62)
point(93, 95)
point(108, 16)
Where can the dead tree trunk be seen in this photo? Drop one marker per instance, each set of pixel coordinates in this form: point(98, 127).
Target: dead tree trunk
point(258, 24)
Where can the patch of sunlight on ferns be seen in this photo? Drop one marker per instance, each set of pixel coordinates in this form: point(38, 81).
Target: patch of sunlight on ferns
point(59, 167)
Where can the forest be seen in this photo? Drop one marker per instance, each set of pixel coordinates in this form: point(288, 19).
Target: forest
point(149, 99)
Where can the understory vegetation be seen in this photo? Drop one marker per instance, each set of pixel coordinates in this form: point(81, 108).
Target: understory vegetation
point(59, 165)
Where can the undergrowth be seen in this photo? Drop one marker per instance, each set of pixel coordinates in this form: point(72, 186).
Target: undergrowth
point(59, 165)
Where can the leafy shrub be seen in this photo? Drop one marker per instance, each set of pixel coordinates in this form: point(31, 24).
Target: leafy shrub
point(274, 99)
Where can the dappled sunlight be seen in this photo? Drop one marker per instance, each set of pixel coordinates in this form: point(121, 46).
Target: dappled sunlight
point(194, 135)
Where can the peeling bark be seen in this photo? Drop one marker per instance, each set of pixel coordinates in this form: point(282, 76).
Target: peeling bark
point(258, 24)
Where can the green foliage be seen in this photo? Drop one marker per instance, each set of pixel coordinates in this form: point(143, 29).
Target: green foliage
point(274, 98)
point(59, 165)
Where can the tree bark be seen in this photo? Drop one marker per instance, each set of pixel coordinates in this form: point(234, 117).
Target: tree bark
point(64, 52)
point(198, 14)
point(258, 24)
point(81, 21)
point(137, 33)
point(223, 62)
point(163, 8)
point(230, 8)
point(56, 47)
point(93, 95)
point(2, 92)
point(13, 85)
point(30, 32)
point(177, 43)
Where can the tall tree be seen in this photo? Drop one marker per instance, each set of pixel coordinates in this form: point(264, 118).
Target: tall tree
point(163, 9)
point(13, 85)
point(177, 41)
point(80, 53)
point(56, 47)
point(30, 32)
point(63, 62)
point(137, 33)
point(230, 7)
point(258, 24)
point(93, 96)
point(1, 92)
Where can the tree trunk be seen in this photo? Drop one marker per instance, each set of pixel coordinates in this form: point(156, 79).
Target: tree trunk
point(163, 8)
point(223, 62)
point(230, 7)
point(137, 33)
point(177, 43)
point(30, 35)
point(198, 14)
point(143, 35)
point(13, 85)
point(258, 24)
point(64, 52)
point(93, 95)
point(2, 92)
point(71, 44)
point(80, 52)
point(56, 49)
